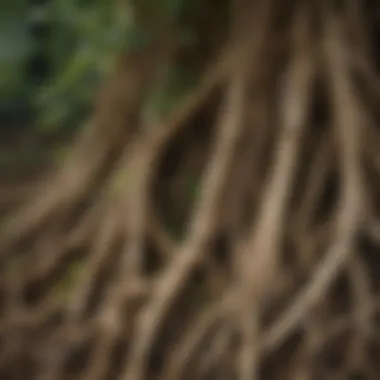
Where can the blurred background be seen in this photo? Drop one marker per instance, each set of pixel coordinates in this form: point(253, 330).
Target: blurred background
point(54, 54)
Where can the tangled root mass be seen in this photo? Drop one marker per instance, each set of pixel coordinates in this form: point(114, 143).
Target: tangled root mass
point(238, 238)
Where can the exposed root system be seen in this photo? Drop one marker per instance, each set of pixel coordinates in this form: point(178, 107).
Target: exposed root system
point(236, 239)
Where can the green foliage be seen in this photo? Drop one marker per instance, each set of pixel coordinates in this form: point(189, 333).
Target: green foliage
point(82, 47)
point(78, 42)
point(16, 46)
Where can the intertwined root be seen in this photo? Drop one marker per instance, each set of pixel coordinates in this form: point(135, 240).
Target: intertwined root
point(265, 268)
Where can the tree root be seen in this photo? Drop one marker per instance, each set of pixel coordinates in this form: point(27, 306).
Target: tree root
point(284, 205)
